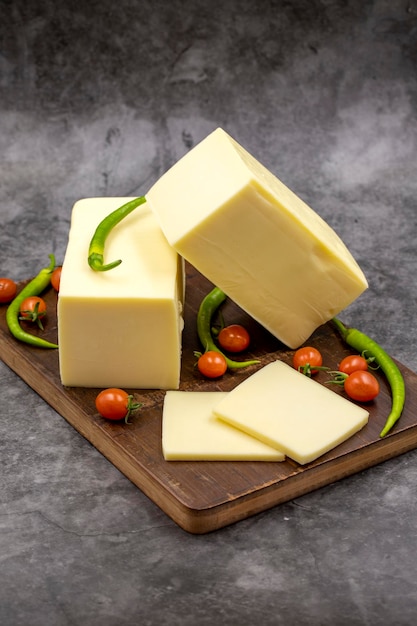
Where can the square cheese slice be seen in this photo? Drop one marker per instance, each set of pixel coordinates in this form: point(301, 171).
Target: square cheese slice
point(242, 228)
point(190, 432)
point(120, 328)
point(287, 410)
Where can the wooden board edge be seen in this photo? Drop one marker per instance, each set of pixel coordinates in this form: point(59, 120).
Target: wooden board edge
point(212, 519)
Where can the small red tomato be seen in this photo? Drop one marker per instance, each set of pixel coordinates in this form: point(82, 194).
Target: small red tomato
point(212, 364)
point(306, 358)
point(115, 404)
point(234, 338)
point(361, 386)
point(32, 309)
point(353, 363)
point(8, 289)
point(56, 278)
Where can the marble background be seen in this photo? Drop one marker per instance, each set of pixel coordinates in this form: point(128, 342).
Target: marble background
point(100, 98)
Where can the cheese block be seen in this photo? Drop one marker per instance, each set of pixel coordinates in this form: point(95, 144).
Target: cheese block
point(291, 412)
point(120, 328)
point(190, 432)
point(250, 235)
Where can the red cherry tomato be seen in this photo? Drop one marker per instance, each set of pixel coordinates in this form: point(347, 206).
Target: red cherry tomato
point(361, 386)
point(306, 358)
point(234, 338)
point(212, 364)
point(8, 289)
point(115, 404)
point(353, 363)
point(56, 278)
point(32, 309)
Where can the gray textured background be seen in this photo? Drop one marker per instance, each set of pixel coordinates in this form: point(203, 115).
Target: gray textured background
point(100, 98)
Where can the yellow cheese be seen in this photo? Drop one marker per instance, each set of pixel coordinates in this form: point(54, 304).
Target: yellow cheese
point(191, 432)
point(120, 328)
point(291, 412)
point(250, 235)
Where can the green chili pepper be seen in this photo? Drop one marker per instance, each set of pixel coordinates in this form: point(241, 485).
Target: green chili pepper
point(361, 342)
point(33, 288)
point(97, 243)
point(208, 307)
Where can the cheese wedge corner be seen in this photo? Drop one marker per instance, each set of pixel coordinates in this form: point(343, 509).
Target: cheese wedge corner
point(287, 410)
point(190, 432)
point(255, 239)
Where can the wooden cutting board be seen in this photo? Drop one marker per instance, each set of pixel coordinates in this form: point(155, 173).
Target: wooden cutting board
point(204, 496)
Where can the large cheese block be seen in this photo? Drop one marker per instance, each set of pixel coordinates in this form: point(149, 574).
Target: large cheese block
point(120, 328)
point(190, 432)
point(242, 228)
point(291, 412)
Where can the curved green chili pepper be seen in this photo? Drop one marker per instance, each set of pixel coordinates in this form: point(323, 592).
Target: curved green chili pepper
point(33, 288)
point(361, 342)
point(208, 307)
point(97, 243)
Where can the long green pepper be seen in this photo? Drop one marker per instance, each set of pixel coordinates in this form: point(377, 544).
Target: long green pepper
point(207, 309)
point(98, 241)
point(33, 288)
point(362, 343)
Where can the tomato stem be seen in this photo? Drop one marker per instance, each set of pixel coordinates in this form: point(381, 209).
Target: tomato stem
point(132, 405)
point(369, 359)
point(339, 377)
point(33, 316)
point(309, 370)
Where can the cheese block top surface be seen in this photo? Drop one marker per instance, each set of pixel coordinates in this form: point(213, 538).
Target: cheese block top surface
point(292, 412)
point(190, 431)
point(214, 170)
point(255, 239)
point(135, 240)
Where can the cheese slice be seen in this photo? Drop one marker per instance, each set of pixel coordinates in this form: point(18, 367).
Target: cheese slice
point(291, 412)
point(190, 432)
point(242, 228)
point(120, 328)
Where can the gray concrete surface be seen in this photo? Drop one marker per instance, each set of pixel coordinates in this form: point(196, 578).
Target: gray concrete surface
point(100, 98)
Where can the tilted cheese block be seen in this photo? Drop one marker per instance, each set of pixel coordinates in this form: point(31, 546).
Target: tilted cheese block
point(250, 235)
point(190, 432)
point(120, 328)
point(289, 411)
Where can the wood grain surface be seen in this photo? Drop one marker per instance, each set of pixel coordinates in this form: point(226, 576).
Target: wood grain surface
point(207, 495)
